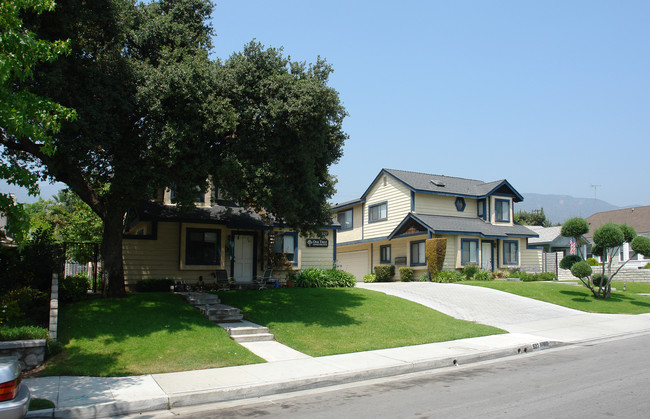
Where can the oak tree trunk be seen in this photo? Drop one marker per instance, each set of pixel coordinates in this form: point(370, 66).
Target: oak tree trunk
point(113, 274)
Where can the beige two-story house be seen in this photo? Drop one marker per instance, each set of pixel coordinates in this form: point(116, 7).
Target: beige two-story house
point(391, 221)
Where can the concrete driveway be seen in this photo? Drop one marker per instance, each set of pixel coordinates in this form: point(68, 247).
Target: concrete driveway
point(507, 311)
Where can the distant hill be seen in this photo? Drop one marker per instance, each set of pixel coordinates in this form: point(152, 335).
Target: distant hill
point(559, 208)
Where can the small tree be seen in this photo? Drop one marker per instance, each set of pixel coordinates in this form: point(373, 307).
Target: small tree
point(608, 240)
point(574, 228)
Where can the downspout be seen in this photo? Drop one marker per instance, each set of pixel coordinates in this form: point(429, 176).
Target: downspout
point(334, 250)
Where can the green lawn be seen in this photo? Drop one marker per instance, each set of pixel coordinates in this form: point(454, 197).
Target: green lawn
point(578, 297)
point(327, 321)
point(141, 334)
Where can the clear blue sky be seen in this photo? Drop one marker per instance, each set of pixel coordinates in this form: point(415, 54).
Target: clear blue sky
point(553, 96)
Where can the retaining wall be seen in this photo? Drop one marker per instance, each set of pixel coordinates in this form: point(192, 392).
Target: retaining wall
point(30, 353)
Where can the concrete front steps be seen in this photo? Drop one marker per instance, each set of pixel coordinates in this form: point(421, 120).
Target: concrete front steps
point(230, 318)
point(246, 331)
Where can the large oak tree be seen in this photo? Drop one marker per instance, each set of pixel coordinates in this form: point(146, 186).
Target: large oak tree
point(154, 110)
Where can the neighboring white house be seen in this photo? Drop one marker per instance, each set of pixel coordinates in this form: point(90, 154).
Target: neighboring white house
point(638, 218)
point(391, 220)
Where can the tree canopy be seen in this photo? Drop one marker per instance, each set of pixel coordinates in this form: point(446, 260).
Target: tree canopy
point(24, 114)
point(533, 218)
point(154, 110)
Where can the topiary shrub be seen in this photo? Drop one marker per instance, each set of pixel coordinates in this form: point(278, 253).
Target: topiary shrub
point(469, 271)
point(384, 273)
point(483, 276)
point(581, 269)
point(599, 278)
point(370, 278)
point(154, 285)
point(435, 252)
point(73, 288)
point(448, 277)
point(568, 261)
point(406, 274)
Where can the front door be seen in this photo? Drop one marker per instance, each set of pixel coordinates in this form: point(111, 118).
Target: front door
point(486, 256)
point(243, 262)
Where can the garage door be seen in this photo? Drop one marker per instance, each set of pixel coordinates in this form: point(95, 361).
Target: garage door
point(354, 262)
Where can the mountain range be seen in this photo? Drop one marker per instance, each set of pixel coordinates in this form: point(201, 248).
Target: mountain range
point(559, 208)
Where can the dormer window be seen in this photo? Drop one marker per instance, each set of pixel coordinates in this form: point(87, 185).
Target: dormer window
point(502, 210)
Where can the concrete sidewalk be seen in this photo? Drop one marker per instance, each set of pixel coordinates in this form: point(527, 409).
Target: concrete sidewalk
point(86, 397)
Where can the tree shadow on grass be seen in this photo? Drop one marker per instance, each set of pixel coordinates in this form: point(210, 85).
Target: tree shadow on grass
point(137, 315)
point(310, 306)
point(73, 361)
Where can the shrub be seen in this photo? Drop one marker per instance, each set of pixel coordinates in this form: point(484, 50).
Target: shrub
point(25, 306)
point(369, 278)
point(598, 278)
point(338, 278)
point(448, 276)
point(593, 262)
point(469, 271)
point(321, 278)
point(73, 288)
point(483, 276)
point(435, 252)
point(523, 276)
point(154, 285)
point(406, 274)
point(384, 273)
point(647, 266)
point(581, 269)
point(424, 277)
point(568, 261)
point(503, 274)
point(53, 347)
point(546, 276)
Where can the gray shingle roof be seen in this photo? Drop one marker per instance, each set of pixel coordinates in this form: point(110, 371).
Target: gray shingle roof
point(447, 185)
point(231, 216)
point(443, 224)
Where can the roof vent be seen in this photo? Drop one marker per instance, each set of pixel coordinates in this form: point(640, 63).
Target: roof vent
point(438, 182)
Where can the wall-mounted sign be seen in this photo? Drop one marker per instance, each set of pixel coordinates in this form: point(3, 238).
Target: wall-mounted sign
point(317, 243)
point(401, 260)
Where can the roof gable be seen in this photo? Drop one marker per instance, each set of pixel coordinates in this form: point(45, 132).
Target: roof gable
point(638, 217)
point(447, 185)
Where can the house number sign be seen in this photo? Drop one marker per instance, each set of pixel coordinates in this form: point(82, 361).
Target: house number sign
point(317, 243)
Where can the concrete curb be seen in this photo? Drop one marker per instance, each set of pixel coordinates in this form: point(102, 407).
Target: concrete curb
point(266, 388)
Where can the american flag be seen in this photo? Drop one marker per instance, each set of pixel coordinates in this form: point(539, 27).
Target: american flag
point(572, 243)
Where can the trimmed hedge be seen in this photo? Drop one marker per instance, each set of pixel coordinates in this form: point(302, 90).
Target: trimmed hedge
point(406, 274)
point(384, 273)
